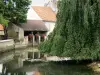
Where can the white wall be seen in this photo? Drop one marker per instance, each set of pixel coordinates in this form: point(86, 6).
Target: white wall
point(50, 26)
point(37, 2)
point(32, 15)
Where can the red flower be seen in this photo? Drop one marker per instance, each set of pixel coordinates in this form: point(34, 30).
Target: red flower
point(37, 35)
point(30, 36)
point(43, 35)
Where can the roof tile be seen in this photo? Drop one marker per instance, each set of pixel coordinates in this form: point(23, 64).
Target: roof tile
point(46, 13)
point(1, 27)
point(34, 25)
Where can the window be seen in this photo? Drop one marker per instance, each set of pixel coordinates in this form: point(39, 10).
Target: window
point(36, 55)
point(30, 55)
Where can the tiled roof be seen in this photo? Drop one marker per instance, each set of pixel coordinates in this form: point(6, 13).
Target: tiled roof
point(1, 27)
point(46, 13)
point(34, 25)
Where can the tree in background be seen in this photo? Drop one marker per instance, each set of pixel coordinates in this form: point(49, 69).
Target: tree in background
point(77, 31)
point(3, 20)
point(15, 11)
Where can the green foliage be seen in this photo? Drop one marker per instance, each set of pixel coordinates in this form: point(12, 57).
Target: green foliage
point(3, 21)
point(77, 31)
point(14, 10)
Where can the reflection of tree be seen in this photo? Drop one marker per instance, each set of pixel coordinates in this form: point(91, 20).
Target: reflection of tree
point(59, 69)
point(19, 73)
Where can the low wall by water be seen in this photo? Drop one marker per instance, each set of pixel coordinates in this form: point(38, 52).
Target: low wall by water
point(6, 45)
point(9, 44)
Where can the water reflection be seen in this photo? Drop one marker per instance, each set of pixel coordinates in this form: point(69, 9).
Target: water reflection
point(25, 73)
point(15, 66)
point(53, 69)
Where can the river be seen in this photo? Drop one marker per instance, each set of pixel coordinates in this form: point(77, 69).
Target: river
point(52, 68)
point(45, 68)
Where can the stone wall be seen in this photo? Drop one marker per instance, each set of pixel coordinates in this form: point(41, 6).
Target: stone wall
point(6, 45)
point(20, 32)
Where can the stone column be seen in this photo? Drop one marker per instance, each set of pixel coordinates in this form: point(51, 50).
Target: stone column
point(39, 55)
point(33, 55)
point(33, 39)
point(26, 40)
point(45, 37)
point(39, 39)
point(20, 62)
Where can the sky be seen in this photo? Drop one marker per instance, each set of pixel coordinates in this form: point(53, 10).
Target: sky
point(37, 2)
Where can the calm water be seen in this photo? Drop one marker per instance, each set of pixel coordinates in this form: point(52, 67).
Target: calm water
point(53, 69)
point(43, 68)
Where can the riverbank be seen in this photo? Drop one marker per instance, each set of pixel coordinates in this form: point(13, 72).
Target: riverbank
point(95, 66)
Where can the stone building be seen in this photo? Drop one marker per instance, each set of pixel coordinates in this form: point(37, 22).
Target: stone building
point(43, 12)
point(47, 15)
point(31, 32)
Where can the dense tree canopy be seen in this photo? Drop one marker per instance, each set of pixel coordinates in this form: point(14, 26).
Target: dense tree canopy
point(14, 10)
point(77, 31)
point(3, 20)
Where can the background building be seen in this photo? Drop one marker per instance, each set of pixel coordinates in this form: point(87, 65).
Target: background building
point(1, 31)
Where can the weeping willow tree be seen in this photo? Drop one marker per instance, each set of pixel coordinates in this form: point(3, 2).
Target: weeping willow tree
point(77, 31)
